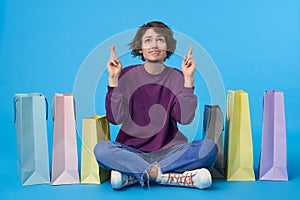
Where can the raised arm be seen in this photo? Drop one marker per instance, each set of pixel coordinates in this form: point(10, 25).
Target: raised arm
point(114, 68)
point(185, 104)
point(114, 103)
point(188, 68)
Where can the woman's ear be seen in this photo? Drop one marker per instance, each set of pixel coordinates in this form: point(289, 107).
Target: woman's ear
point(140, 51)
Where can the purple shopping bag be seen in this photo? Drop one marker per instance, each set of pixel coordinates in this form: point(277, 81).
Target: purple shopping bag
point(273, 156)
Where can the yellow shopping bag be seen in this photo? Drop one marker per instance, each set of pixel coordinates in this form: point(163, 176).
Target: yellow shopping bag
point(239, 165)
point(94, 130)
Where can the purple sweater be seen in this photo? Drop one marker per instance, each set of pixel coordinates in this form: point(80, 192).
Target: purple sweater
point(149, 107)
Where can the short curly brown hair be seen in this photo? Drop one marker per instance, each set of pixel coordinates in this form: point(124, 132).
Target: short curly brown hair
point(158, 27)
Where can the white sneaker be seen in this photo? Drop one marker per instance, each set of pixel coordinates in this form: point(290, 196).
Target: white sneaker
point(199, 178)
point(119, 180)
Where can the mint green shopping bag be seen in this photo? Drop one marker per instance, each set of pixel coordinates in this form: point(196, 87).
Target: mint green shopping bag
point(31, 134)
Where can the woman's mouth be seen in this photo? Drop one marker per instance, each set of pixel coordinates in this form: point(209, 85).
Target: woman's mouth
point(155, 52)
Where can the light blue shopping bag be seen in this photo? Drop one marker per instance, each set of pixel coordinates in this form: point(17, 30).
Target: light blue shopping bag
point(31, 132)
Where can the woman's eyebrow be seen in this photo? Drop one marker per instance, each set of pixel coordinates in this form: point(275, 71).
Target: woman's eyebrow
point(150, 36)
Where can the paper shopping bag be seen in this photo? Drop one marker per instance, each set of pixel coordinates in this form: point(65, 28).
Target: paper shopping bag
point(94, 130)
point(273, 156)
point(213, 127)
point(64, 151)
point(239, 165)
point(31, 132)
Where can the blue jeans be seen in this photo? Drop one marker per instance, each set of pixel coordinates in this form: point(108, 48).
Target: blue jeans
point(133, 162)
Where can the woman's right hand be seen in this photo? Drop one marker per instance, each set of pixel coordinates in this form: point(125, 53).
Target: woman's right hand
point(114, 68)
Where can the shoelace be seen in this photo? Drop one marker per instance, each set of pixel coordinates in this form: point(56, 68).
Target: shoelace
point(181, 179)
point(148, 180)
point(130, 180)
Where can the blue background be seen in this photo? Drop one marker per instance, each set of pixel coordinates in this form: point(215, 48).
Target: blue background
point(255, 45)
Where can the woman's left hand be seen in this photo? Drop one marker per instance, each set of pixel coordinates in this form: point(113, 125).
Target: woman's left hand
point(188, 64)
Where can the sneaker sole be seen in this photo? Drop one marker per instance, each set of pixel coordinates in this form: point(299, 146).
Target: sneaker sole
point(206, 179)
point(116, 179)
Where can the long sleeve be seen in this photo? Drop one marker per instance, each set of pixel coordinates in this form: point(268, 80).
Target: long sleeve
point(115, 105)
point(184, 106)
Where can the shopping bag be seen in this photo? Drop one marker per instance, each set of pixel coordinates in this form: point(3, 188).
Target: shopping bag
point(213, 127)
point(94, 130)
point(31, 111)
point(64, 150)
point(273, 155)
point(239, 164)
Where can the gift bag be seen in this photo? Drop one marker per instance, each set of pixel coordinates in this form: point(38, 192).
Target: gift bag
point(239, 164)
point(273, 156)
point(31, 132)
point(94, 130)
point(213, 127)
point(64, 151)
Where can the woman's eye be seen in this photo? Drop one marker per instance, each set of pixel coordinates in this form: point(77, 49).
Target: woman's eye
point(147, 41)
point(160, 40)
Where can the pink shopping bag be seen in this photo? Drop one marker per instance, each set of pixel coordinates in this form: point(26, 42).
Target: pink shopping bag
point(273, 156)
point(64, 152)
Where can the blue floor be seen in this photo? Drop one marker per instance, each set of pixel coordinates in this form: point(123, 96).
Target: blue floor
point(10, 187)
point(220, 190)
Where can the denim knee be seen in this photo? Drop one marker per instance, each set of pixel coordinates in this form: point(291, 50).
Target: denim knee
point(208, 149)
point(100, 150)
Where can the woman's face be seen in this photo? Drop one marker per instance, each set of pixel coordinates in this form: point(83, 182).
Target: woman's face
point(154, 47)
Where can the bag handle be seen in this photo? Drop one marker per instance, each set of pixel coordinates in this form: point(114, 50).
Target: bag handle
point(53, 108)
point(15, 100)
point(206, 117)
point(46, 102)
point(15, 109)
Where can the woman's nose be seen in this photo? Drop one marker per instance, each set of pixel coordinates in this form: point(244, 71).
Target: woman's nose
point(154, 44)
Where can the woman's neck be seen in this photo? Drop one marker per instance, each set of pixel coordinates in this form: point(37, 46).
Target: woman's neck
point(154, 68)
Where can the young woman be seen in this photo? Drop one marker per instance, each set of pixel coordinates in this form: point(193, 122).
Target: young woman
point(149, 100)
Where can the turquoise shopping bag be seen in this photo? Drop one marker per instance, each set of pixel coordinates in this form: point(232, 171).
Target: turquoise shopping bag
point(31, 133)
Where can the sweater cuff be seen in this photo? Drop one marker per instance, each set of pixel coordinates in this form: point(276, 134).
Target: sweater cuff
point(114, 90)
point(111, 89)
point(189, 91)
